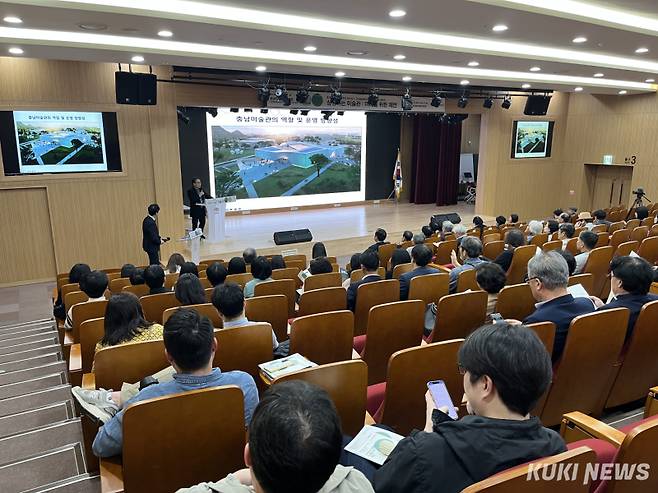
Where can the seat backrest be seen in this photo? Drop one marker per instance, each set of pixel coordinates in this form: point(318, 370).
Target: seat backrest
point(648, 221)
point(408, 372)
point(171, 279)
point(318, 281)
point(639, 366)
point(91, 332)
point(86, 311)
point(429, 288)
point(357, 274)
point(488, 238)
point(639, 447)
point(385, 253)
point(458, 315)
point(209, 441)
point(632, 224)
point(154, 305)
point(369, 295)
point(604, 238)
point(515, 301)
point(323, 337)
point(296, 258)
point(73, 298)
point(272, 309)
point(618, 237)
point(587, 281)
point(572, 245)
point(400, 269)
point(322, 300)
point(584, 374)
point(286, 287)
point(138, 290)
point(239, 279)
point(244, 348)
point(391, 327)
point(639, 233)
point(616, 226)
point(69, 288)
point(654, 230)
point(552, 245)
point(598, 264)
point(600, 228)
point(626, 248)
point(205, 309)
point(346, 383)
point(128, 363)
point(287, 273)
point(298, 264)
point(546, 333)
point(649, 249)
point(519, 266)
point(517, 478)
point(117, 285)
point(467, 280)
point(492, 249)
point(539, 239)
point(443, 251)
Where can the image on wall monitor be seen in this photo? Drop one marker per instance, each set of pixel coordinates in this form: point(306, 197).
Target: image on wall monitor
point(532, 139)
point(59, 142)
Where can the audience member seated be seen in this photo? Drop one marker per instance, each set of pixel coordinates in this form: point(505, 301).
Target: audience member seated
point(295, 441)
point(427, 231)
point(565, 233)
point(557, 213)
point(189, 346)
point(551, 227)
point(175, 262)
point(154, 277)
point(216, 274)
point(534, 228)
point(571, 260)
point(641, 213)
point(320, 265)
point(585, 221)
point(600, 218)
point(446, 227)
point(513, 238)
point(277, 262)
point(355, 262)
point(478, 224)
point(399, 256)
point(572, 211)
point(548, 276)
point(77, 272)
point(237, 265)
point(500, 221)
point(491, 278)
point(369, 261)
point(93, 285)
point(513, 218)
point(506, 370)
point(564, 218)
point(126, 270)
point(318, 250)
point(586, 243)
point(189, 268)
point(407, 236)
point(249, 255)
point(262, 272)
point(459, 230)
point(469, 252)
point(421, 255)
point(630, 282)
point(380, 239)
point(189, 290)
point(137, 277)
point(418, 239)
point(124, 322)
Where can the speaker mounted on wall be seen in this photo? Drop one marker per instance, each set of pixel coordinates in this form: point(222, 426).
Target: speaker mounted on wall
point(136, 88)
point(537, 105)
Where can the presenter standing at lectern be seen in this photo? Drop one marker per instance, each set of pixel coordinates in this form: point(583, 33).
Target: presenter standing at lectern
point(151, 239)
point(197, 198)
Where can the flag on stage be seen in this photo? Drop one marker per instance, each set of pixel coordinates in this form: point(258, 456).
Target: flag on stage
point(397, 177)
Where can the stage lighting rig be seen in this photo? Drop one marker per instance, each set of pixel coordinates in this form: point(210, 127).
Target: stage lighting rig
point(263, 95)
point(507, 103)
point(281, 94)
point(335, 97)
point(373, 98)
point(436, 99)
point(406, 102)
point(488, 103)
point(462, 102)
point(302, 96)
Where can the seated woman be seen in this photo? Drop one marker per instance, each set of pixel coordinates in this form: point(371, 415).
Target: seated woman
point(77, 272)
point(175, 263)
point(237, 265)
point(318, 250)
point(189, 291)
point(513, 239)
point(491, 278)
point(399, 256)
point(261, 269)
point(319, 265)
point(277, 262)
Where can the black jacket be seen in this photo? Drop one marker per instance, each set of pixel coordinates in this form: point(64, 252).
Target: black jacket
point(196, 210)
point(460, 453)
point(150, 235)
point(352, 289)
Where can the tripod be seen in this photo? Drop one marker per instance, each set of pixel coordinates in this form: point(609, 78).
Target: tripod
point(636, 203)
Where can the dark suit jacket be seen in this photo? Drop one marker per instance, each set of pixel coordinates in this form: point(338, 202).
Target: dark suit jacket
point(193, 197)
point(352, 289)
point(375, 246)
point(159, 290)
point(150, 235)
point(405, 279)
point(561, 311)
point(634, 302)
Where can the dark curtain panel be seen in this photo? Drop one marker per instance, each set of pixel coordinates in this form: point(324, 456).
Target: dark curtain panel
point(435, 161)
point(382, 143)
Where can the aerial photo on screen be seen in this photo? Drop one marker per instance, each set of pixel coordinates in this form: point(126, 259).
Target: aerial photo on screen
point(531, 138)
point(253, 162)
point(64, 139)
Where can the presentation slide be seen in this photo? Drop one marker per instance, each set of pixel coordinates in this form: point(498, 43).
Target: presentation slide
point(60, 141)
point(277, 159)
point(531, 140)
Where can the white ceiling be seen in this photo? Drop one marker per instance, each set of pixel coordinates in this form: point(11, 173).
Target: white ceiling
point(132, 27)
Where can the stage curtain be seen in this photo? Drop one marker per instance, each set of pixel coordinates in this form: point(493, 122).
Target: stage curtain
point(435, 161)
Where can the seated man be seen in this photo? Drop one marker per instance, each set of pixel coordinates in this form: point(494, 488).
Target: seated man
point(126, 270)
point(369, 265)
point(585, 221)
point(216, 274)
point(565, 233)
point(557, 213)
point(93, 285)
point(407, 236)
point(533, 229)
point(630, 282)
point(513, 218)
point(470, 251)
point(190, 347)
point(261, 269)
point(548, 276)
point(491, 278)
point(320, 265)
point(137, 276)
point(427, 231)
point(249, 255)
point(154, 277)
point(500, 221)
point(460, 232)
point(600, 218)
point(446, 228)
point(564, 218)
point(418, 239)
point(189, 268)
point(295, 442)
point(506, 370)
point(514, 238)
point(586, 243)
point(380, 237)
point(421, 255)
point(551, 228)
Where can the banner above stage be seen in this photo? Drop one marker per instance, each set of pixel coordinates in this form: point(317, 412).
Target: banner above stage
point(320, 101)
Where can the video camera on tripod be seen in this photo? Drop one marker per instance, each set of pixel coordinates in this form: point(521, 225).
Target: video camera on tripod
point(639, 193)
point(639, 196)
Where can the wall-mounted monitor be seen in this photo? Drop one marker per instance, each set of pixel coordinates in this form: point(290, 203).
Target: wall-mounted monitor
point(532, 139)
point(39, 142)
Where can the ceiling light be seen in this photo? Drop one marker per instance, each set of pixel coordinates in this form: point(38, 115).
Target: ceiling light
point(15, 51)
point(302, 96)
point(340, 74)
point(406, 102)
point(499, 28)
point(507, 103)
point(357, 53)
point(487, 103)
point(579, 40)
point(642, 50)
point(436, 99)
point(465, 82)
point(397, 13)
point(13, 20)
point(526, 86)
point(260, 68)
point(473, 64)
point(137, 59)
point(599, 75)
point(462, 102)
point(622, 92)
point(93, 26)
point(373, 98)
point(165, 34)
point(399, 57)
point(578, 89)
point(535, 69)
point(650, 81)
point(336, 97)
point(310, 49)
point(406, 78)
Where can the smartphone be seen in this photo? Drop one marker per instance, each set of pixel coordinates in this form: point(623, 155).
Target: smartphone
point(496, 317)
point(441, 397)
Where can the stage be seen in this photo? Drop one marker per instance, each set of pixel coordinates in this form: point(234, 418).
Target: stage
point(344, 230)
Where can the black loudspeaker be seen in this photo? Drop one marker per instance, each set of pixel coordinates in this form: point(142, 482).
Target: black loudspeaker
point(437, 220)
point(136, 88)
point(537, 105)
point(295, 236)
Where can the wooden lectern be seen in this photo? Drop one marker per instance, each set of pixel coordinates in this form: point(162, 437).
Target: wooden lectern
point(607, 185)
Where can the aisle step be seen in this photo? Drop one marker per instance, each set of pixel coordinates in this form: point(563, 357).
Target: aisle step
point(17, 376)
point(43, 321)
point(30, 353)
point(35, 399)
point(26, 332)
point(46, 340)
point(33, 362)
point(84, 483)
point(40, 441)
point(29, 386)
point(36, 418)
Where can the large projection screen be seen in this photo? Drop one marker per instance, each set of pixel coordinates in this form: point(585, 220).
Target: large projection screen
point(280, 160)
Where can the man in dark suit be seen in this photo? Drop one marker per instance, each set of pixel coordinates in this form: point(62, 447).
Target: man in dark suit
point(421, 255)
point(548, 276)
point(380, 237)
point(151, 240)
point(369, 264)
point(630, 282)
